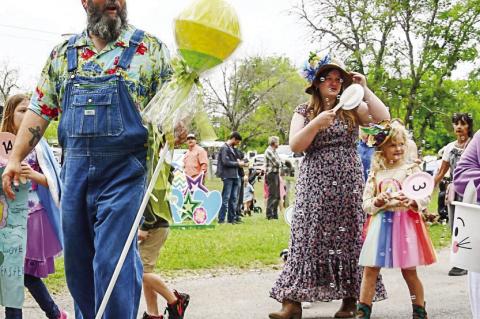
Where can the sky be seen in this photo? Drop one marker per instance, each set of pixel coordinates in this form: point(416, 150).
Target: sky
point(267, 29)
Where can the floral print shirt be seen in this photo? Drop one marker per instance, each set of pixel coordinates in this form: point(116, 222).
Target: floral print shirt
point(149, 69)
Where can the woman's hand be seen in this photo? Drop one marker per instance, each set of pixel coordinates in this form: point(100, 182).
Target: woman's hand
point(142, 235)
point(324, 119)
point(359, 79)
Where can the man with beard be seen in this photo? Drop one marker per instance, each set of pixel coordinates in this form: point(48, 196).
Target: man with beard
point(99, 80)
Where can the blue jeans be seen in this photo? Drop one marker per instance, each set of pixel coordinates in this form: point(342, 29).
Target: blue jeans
point(229, 199)
point(39, 292)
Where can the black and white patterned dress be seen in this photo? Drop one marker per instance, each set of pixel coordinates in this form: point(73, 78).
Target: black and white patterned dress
point(326, 233)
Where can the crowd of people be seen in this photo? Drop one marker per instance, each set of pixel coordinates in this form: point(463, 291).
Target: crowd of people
point(351, 217)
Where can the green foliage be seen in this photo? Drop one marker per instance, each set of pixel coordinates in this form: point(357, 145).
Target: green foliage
point(408, 49)
point(259, 98)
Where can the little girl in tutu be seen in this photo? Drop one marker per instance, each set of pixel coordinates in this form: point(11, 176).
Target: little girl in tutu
point(44, 236)
point(395, 234)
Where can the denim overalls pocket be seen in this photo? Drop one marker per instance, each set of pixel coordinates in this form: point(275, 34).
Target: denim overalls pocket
point(95, 113)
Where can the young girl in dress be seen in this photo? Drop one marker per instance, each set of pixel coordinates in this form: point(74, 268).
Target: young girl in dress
point(395, 234)
point(44, 237)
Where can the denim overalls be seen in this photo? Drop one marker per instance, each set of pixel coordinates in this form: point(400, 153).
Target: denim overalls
point(104, 176)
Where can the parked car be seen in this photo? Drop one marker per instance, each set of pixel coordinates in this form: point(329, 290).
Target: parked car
point(431, 164)
point(259, 162)
point(291, 161)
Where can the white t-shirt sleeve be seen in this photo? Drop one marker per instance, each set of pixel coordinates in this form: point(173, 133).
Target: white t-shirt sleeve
point(446, 152)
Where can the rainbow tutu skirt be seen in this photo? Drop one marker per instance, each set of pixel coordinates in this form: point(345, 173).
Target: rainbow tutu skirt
point(396, 240)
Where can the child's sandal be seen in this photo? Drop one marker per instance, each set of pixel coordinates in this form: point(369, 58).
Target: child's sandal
point(363, 311)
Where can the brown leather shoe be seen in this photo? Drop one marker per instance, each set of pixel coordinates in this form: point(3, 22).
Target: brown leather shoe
point(290, 310)
point(347, 309)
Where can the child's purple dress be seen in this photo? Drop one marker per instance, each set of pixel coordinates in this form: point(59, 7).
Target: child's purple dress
point(42, 243)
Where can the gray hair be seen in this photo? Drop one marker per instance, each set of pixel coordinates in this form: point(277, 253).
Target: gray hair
point(102, 25)
point(273, 140)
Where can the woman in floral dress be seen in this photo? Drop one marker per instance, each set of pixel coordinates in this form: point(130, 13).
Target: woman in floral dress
point(326, 233)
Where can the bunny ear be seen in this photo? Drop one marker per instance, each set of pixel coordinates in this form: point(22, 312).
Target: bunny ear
point(470, 194)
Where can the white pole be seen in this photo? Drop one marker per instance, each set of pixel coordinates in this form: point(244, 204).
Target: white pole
point(133, 231)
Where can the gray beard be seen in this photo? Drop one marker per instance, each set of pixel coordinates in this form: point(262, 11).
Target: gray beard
point(102, 25)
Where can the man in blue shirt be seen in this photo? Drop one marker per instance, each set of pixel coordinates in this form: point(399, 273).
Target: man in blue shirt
point(227, 169)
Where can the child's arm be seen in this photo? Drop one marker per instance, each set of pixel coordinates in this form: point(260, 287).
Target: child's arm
point(28, 172)
point(372, 202)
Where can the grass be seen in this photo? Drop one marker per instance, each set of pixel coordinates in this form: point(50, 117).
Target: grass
point(256, 243)
point(253, 244)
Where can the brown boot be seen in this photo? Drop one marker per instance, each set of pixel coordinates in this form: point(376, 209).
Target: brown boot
point(347, 309)
point(290, 310)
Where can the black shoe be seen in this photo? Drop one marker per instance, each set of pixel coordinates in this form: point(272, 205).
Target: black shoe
point(221, 222)
point(457, 272)
point(238, 222)
point(177, 310)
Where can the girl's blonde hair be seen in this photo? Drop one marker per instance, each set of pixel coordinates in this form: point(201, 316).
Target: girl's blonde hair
point(397, 132)
point(316, 106)
point(8, 124)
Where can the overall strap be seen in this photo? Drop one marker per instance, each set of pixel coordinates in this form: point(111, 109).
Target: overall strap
point(129, 52)
point(72, 57)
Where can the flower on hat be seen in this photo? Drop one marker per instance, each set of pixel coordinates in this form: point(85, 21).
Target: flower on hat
point(378, 134)
point(313, 64)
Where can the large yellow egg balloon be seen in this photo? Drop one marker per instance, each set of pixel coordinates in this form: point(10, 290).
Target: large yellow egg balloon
point(207, 33)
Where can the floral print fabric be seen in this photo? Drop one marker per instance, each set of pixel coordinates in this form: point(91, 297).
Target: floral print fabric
point(326, 233)
point(149, 69)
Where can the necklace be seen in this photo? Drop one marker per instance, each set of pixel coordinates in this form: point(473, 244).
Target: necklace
point(464, 144)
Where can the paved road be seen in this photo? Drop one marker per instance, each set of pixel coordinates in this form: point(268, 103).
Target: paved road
point(245, 296)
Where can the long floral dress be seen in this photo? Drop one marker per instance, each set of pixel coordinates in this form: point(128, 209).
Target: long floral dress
point(326, 233)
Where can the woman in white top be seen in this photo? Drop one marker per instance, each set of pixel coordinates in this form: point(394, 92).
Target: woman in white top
point(463, 127)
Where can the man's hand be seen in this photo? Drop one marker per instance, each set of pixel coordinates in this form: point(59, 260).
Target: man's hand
point(142, 235)
point(242, 163)
point(11, 174)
